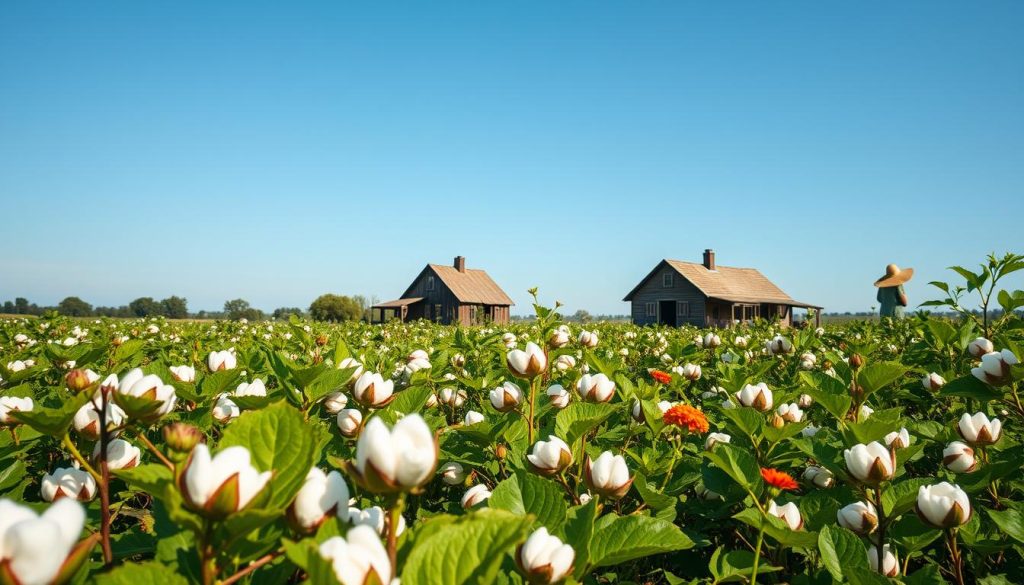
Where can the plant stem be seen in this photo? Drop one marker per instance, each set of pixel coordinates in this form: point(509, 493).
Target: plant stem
point(757, 553)
point(568, 490)
point(954, 553)
point(394, 519)
point(882, 521)
point(104, 484)
point(152, 448)
point(265, 559)
point(671, 467)
point(533, 399)
point(70, 446)
point(208, 556)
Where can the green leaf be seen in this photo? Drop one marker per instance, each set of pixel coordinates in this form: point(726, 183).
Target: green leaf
point(579, 533)
point(818, 509)
point(840, 550)
point(653, 417)
point(929, 575)
point(158, 481)
point(11, 473)
point(124, 356)
point(579, 418)
point(777, 529)
point(829, 392)
point(875, 427)
point(329, 381)
point(408, 401)
point(256, 402)
point(469, 550)
point(1010, 522)
point(973, 280)
point(278, 439)
point(875, 376)
point(971, 387)
point(53, 421)
point(739, 464)
point(137, 573)
point(737, 565)
point(901, 497)
point(306, 556)
point(776, 434)
point(526, 493)
point(219, 382)
point(909, 534)
point(655, 499)
point(618, 539)
point(138, 407)
point(861, 576)
point(749, 421)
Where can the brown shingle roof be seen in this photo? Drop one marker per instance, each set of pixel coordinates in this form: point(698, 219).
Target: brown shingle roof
point(738, 285)
point(471, 286)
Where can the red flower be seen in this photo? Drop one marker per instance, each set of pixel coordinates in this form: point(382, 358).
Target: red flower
point(779, 479)
point(661, 377)
point(684, 415)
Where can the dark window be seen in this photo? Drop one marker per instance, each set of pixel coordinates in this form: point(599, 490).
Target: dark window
point(652, 309)
point(667, 280)
point(437, 312)
point(430, 283)
point(683, 308)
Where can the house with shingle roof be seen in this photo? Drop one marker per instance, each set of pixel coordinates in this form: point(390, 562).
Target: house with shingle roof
point(708, 295)
point(449, 295)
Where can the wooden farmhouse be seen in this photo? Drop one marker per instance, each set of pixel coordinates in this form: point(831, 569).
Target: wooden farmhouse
point(708, 295)
point(450, 295)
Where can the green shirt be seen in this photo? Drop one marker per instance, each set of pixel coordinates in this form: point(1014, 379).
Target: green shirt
point(889, 298)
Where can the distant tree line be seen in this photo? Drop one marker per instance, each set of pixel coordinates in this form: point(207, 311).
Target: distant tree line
point(328, 307)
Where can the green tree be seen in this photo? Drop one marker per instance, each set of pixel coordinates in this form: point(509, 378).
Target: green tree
point(331, 307)
point(175, 307)
point(74, 307)
point(581, 316)
point(21, 306)
point(240, 309)
point(145, 307)
point(283, 313)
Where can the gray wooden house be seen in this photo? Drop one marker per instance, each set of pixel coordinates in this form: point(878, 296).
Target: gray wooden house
point(450, 295)
point(708, 295)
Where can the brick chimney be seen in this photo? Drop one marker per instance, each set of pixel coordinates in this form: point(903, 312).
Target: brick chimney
point(709, 259)
point(460, 263)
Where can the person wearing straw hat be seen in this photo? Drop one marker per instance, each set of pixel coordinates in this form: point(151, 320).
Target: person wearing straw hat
point(891, 295)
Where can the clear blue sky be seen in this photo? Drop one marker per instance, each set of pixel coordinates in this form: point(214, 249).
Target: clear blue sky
point(276, 151)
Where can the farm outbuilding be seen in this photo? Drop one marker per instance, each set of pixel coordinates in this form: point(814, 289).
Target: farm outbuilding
point(449, 295)
point(708, 295)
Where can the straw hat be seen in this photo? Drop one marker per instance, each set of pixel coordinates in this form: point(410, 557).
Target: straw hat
point(894, 276)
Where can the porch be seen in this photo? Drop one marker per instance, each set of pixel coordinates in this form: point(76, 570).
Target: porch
point(722, 313)
point(401, 309)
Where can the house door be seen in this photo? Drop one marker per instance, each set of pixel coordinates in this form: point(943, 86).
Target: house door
point(667, 313)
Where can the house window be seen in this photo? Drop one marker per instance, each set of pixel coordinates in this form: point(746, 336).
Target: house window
point(667, 280)
point(430, 283)
point(437, 312)
point(472, 314)
point(683, 308)
point(652, 309)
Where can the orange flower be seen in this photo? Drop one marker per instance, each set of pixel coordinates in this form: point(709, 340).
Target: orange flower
point(684, 415)
point(779, 479)
point(661, 377)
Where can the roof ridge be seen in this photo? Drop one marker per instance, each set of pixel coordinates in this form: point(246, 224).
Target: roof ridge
point(717, 266)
